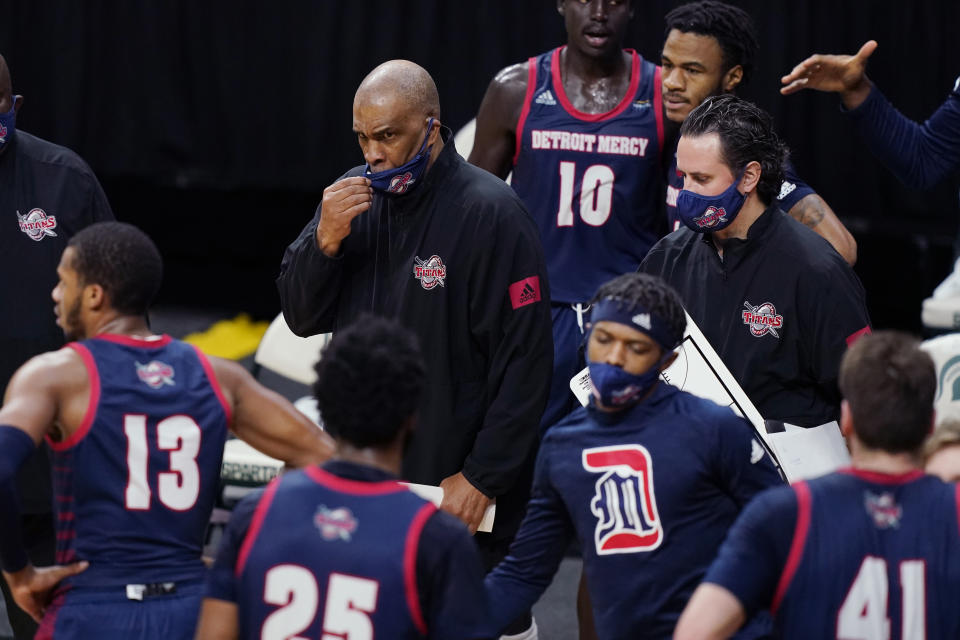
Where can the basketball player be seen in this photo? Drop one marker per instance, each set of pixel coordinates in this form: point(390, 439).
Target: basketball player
point(709, 50)
point(581, 127)
point(345, 550)
point(648, 478)
point(137, 424)
point(868, 552)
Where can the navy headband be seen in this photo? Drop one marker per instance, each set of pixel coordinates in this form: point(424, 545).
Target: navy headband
point(635, 316)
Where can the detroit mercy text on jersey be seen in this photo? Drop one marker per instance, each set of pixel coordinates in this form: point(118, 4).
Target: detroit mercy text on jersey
point(135, 484)
point(591, 181)
point(332, 557)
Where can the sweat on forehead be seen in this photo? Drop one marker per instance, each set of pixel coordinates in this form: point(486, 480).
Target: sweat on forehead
point(406, 84)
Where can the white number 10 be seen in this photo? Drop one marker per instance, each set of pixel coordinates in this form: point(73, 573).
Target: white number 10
point(863, 614)
point(178, 488)
point(596, 194)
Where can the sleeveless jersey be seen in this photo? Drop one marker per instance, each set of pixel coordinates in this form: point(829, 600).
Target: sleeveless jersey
point(591, 181)
point(135, 484)
point(873, 556)
point(332, 557)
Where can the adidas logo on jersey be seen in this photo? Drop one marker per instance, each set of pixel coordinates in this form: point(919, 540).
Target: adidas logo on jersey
point(786, 188)
point(546, 98)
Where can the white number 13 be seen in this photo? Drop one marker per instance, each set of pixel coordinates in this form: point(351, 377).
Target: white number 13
point(178, 488)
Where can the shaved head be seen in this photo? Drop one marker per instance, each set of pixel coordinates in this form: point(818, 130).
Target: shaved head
point(403, 85)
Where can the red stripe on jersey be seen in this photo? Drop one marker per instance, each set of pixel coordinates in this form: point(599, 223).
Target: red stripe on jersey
point(856, 335)
point(258, 516)
point(353, 487)
point(796, 547)
point(522, 120)
point(135, 341)
point(658, 104)
point(883, 478)
point(635, 71)
point(215, 384)
point(92, 402)
point(957, 493)
point(410, 565)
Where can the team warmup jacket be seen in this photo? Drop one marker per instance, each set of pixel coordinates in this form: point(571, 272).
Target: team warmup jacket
point(853, 554)
point(650, 493)
point(47, 194)
point(780, 308)
point(414, 571)
point(458, 261)
point(919, 155)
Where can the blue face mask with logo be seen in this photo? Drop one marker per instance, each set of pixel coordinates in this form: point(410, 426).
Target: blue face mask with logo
point(615, 388)
point(402, 179)
point(705, 214)
point(8, 122)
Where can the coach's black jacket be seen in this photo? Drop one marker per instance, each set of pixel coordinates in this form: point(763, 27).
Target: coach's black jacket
point(42, 185)
point(488, 350)
point(780, 309)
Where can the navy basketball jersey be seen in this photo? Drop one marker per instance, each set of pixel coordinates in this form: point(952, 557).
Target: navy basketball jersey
point(873, 556)
point(590, 180)
point(135, 484)
point(330, 557)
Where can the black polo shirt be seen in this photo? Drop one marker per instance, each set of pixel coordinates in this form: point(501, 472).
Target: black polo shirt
point(780, 308)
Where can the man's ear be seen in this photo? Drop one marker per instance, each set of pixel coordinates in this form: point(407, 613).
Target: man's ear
point(17, 103)
point(846, 419)
point(560, 8)
point(94, 297)
point(751, 177)
point(732, 79)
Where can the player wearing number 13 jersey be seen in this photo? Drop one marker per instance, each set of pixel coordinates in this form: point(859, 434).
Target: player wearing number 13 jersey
point(867, 553)
point(137, 424)
point(345, 550)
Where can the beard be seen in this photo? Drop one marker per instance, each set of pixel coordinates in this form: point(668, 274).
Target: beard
point(72, 329)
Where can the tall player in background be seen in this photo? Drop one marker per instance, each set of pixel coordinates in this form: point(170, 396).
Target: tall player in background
point(335, 550)
point(709, 49)
point(137, 424)
point(868, 552)
point(581, 127)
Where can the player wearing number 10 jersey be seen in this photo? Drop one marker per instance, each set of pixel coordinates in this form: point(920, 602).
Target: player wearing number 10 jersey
point(867, 553)
point(137, 424)
point(582, 129)
point(346, 551)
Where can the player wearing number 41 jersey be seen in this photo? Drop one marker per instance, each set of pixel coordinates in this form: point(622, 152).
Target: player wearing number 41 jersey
point(868, 553)
point(346, 551)
point(137, 423)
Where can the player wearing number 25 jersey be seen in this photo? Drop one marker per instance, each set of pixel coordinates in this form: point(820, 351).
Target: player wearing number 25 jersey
point(137, 424)
point(345, 550)
point(867, 553)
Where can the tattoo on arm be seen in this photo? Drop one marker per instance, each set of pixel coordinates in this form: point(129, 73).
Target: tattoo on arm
point(809, 211)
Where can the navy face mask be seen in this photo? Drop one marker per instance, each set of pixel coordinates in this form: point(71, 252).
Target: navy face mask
point(704, 214)
point(616, 388)
point(8, 122)
point(402, 179)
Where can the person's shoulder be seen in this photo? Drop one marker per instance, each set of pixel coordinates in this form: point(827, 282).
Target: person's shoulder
point(704, 412)
point(567, 427)
point(52, 365)
point(807, 250)
point(668, 248)
point(49, 153)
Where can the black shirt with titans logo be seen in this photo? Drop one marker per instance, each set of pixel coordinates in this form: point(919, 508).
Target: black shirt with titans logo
point(47, 194)
point(458, 261)
point(780, 308)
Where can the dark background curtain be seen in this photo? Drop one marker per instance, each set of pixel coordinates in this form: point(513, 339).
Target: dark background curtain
point(216, 125)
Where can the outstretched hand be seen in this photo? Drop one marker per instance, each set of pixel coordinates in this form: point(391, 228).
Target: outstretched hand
point(837, 73)
point(463, 500)
point(32, 587)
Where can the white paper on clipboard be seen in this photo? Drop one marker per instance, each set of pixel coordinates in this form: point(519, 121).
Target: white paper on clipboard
point(435, 495)
point(699, 370)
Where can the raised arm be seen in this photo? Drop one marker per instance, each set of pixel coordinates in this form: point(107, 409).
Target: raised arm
point(845, 75)
point(268, 422)
point(495, 138)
